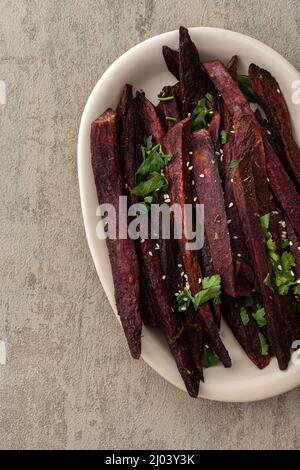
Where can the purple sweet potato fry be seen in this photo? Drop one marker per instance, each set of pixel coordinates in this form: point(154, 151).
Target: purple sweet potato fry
point(169, 109)
point(176, 143)
point(210, 193)
point(172, 60)
point(228, 88)
point(122, 253)
point(167, 319)
point(193, 79)
point(247, 146)
point(271, 99)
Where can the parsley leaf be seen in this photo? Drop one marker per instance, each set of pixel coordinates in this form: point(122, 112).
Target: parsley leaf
point(285, 243)
point(211, 290)
point(245, 86)
point(183, 299)
point(224, 137)
point(155, 183)
point(154, 159)
point(244, 316)
point(208, 358)
point(200, 115)
point(268, 281)
point(233, 165)
point(263, 344)
point(209, 98)
point(259, 316)
point(265, 221)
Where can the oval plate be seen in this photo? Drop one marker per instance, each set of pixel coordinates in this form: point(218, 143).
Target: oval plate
point(143, 66)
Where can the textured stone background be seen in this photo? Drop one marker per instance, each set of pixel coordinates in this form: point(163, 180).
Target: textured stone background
point(69, 381)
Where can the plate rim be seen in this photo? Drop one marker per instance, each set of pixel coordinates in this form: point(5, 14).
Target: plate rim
point(269, 391)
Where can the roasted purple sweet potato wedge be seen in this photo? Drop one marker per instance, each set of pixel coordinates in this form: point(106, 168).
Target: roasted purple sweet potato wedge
point(227, 87)
point(209, 191)
point(172, 60)
point(168, 106)
point(271, 99)
point(176, 143)
point(193, 79)
point(122, 253)
point(167, 320)
point(247, 145)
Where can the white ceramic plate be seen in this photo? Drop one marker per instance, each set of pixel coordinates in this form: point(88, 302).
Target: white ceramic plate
point(143, 66)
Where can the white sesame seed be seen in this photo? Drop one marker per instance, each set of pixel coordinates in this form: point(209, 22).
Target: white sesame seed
point(150, 253)
point(275, 212)
point(193, 183)
point(187, 164)
point(291, 243)
point(284, 232)
point(185, 276)
point(182, 273)
point(164, 277)
point(142, 240)
point(166, 196)
point(239, 255)
point(298, 248)
point(298, 281)
point(221, 152)
point(126, 185)
point(213, 162)
point(292, 272)
point(189, 115)
point(278, 91)
point(229, 221)
point(235, 237)
point(232, 132)
point(199, 280)
point(221, 158)
point(279, 267)
point(217, 153)
point(230, 205)
point(269, 132)
point(231, 180)
point(157, 246)
point(190, 153)
point(179, 265)
point(191, 167)
point(195, 199)
point(268, 180)
point(202, 175)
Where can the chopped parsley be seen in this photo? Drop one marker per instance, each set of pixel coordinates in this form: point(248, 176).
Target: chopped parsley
point(166, 98)
point(200, 115)
point(224, 137)
point(157, 182)
point(260, 317)
point(154, 159)
point(263, 344)
point(208, 358)
point(246, 88)
point(244, 316)
point(282, 275)
point(211, 290)
point(233, 166)
point(209, 98)
point(171, 118)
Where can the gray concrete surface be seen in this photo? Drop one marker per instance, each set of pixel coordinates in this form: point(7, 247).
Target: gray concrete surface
point(69, 381)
